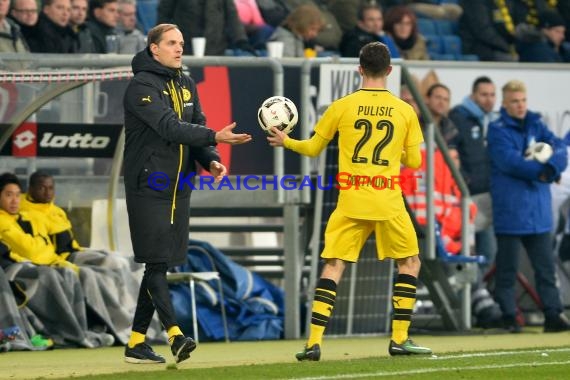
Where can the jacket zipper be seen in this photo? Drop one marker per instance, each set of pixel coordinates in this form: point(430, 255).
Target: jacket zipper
point(178, 109)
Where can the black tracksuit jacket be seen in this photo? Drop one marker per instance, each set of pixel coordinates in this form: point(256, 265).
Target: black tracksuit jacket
point(165, 133)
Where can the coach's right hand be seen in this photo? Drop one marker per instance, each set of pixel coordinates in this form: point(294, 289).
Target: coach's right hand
point(226, 135)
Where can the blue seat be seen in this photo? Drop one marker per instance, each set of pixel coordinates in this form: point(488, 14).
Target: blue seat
point(147, 13)
point(445, 256)
point(426, 26)
point(451, 44)
point(434, 44)
point(445, 27)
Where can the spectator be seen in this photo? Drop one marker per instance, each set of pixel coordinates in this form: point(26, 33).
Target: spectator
point(299, 31)
point(406, 96)
point(563, 8)
point(545, 43)
point(274, 12)
point(330, 35)
point(443, 11)
point(102, 21)
point(77, 22)
point(487, 30)
point(522, 213)
point(257, 30)
point(25, 14)
point(217, 20)
point(131, 40)
point(346, 12)
point(51, 284)
point(54, 35)
point(437, 102)
point(11, 38)
point(401, 25)
point(369, 28)
point(471, 118)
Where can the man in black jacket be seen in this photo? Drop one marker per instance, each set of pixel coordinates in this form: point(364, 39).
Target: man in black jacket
point(103, 19)
point(165, 135)
point(53, 33)
point(471, 118)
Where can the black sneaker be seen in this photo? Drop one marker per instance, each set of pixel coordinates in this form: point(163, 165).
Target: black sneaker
point(142, 353)
point(181, 347)
point(310, 353)
point(557, 323)
point(407, 348)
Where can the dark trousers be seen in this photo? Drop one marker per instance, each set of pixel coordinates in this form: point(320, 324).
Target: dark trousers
point(154, 295)
point(539, 251)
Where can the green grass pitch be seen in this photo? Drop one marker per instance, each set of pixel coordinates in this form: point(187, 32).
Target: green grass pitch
point(530, 355)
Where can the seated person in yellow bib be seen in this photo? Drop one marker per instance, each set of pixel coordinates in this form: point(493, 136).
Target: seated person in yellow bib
point(377, 133)
point(104, 276)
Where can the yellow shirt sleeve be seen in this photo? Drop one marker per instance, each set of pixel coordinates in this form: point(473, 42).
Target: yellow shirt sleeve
point(412, 156)
point(311, 147)
point(36, 248)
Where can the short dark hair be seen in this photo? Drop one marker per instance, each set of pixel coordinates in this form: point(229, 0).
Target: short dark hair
point(154, 35)
point(434, 87)
point(365, 8)
point(374, 59)
point(9, 179)
point(94, 4)
point(480, 80)
point(37, 177)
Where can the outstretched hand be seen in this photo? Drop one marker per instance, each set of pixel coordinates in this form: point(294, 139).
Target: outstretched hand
point(227, 136)
point(277, 138)
point(217, 170)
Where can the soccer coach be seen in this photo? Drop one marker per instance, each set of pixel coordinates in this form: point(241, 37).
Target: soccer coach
point(165, 133)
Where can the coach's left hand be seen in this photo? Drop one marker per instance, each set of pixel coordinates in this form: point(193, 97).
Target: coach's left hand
point(217, 170)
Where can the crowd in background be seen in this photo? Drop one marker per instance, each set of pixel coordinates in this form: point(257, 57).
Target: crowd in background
point(487, 30)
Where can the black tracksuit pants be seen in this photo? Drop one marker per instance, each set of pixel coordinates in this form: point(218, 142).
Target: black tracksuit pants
point(154, 295)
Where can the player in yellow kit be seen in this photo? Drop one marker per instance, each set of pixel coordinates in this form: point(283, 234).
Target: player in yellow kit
point(377, 132)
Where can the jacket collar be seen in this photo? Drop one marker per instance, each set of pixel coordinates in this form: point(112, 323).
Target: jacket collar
point(530, 117)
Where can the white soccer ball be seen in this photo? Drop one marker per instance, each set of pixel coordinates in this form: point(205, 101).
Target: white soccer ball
point(277, 111)
point(539, 151)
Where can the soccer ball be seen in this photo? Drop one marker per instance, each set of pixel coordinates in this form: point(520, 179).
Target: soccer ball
point(540, 152)
point(277, 111)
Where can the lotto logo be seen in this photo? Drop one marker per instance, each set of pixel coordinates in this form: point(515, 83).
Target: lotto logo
point(24, 140)
point(76, 141)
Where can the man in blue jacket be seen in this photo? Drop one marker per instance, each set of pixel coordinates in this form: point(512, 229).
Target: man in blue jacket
point(522, 212)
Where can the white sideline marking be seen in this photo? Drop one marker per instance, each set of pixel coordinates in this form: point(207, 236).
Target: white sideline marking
point(499, 353)
point(429, 370)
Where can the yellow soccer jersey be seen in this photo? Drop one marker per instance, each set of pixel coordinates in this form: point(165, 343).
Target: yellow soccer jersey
point(374, 126)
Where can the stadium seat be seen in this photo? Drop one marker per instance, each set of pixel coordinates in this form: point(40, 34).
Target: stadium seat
point(191, 278)
point(445, 256)
point(445, 27)
point(451, 44)
point(434, 44)
point(426, 26)
point(146, 13)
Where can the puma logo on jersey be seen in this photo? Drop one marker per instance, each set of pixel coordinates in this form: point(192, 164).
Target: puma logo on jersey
point(147, 99)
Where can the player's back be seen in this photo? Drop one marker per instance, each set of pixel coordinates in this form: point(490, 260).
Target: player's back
point(374, 126)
